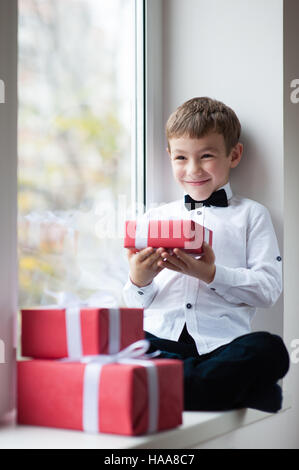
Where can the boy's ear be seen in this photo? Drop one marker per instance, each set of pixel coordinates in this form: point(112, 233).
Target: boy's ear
point(167, 150)
point(236, 155)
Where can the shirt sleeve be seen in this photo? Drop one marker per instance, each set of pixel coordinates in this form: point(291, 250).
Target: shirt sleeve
point(139, 297)
point(260, 283)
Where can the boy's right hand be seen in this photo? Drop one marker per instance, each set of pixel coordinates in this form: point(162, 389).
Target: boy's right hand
point(143, 265)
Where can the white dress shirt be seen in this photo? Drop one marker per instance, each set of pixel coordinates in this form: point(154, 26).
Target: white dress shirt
point(248, 275)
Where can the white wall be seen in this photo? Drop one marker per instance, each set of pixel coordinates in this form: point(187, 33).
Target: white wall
point(232, 50)
point(8, 196)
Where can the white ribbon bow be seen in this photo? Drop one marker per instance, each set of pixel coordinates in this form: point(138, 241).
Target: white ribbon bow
point(73, 304)
point(133, 354)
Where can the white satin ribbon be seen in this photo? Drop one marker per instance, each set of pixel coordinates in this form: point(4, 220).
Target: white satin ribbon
point(133, 354)
point(73, 305)
point(141, 234)
point(91, 397)
point(114, 330)
point(73, 331)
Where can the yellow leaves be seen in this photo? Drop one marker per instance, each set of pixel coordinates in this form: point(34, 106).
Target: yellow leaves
point(30, 263)
point(29, 266)
point(102, 131)
point(24, 202)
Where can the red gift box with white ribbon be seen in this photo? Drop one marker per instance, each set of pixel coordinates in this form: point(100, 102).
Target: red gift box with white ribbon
point(185, 234)
point(56, 332)
point(127, 396)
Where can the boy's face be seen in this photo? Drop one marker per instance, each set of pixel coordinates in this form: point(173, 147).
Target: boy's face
point(201, 166)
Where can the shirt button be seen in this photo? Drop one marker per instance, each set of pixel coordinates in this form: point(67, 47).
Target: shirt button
point(198, 212)
point(140, 292)
point(212, 288)
point(278, 258)
point(189, 306)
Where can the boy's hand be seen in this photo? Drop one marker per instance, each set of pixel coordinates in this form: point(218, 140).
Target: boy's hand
point(143, 265)
point(203, 268)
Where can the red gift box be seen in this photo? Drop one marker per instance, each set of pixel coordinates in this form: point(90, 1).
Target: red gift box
point(53, 333)
point(125, 400)
point(185, 234)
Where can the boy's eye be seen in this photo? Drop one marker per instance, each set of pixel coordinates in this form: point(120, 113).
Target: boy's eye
point(181, 157)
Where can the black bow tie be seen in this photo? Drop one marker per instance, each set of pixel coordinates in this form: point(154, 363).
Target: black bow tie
point(218, 198)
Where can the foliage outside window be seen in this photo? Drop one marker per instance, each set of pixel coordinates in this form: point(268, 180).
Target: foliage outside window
point(75, 76)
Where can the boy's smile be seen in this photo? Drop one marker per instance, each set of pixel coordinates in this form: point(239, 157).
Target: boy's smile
point(201, 165)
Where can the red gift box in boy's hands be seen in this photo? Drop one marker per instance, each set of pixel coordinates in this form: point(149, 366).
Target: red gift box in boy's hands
point(185, 234)
point(126, 399)
point(53, 333)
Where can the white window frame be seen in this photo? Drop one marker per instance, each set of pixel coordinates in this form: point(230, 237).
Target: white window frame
point(138, 155)
point(148, 139)
point(8, 201)
point(154, 105)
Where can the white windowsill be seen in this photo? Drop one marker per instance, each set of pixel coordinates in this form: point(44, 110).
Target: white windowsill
point(197, 427)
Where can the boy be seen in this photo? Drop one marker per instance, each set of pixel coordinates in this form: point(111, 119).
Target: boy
point(200, 310)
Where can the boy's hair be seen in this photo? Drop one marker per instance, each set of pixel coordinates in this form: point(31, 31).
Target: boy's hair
point(197, 117)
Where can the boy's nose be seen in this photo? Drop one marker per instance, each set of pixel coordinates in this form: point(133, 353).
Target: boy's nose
point(194, 167)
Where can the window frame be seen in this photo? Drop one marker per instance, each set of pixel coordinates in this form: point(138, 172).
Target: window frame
point(8, 202)
point(139, 150)
point(149, 141)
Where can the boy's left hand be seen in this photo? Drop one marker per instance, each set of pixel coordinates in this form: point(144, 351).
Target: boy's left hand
point(203, 268)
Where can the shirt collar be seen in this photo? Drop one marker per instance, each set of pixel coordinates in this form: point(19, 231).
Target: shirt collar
point(227, 188)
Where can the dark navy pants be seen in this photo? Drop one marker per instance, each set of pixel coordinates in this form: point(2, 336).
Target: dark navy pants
point(240, 374)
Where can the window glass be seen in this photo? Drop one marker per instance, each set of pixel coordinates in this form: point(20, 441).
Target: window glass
point(75, 91)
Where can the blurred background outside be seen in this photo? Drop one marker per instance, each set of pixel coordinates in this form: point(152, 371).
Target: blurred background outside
point(75, 91)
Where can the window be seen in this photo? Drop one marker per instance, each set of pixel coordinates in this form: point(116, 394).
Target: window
point(77, 134)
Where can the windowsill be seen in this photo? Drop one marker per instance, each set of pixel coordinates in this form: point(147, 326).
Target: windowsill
point(197, 427)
